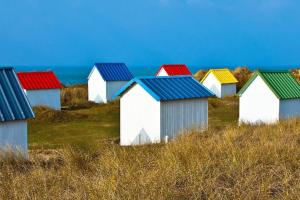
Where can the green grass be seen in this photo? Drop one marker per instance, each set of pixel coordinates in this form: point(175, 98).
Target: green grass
point(74, 127)
point(89, 126)
point(223, 112)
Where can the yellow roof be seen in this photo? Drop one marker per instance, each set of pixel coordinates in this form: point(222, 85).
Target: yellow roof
point(224, 76)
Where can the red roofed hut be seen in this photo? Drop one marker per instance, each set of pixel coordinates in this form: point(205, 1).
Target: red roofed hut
point(173, 70)
point(41, 88)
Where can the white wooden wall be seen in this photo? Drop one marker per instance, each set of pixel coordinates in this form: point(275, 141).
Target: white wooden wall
point(228, 90)
point(140, 117)
point(182, 115)
point(259, 104)
point(96, 87)
point(14, 135)
point(49, 98)
point(289, 108)
point(212, 83)
point(112, 87)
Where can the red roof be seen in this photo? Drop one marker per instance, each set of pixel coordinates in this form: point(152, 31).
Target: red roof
point(175, 69)
point(39, 80)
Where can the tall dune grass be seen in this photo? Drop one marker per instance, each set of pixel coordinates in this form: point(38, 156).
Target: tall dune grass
point(242, 74)
point(296, 74)
point(260, 162)
point(75, 97)
point(199, 75)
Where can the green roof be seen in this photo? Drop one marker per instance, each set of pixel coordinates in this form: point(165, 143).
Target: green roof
point(283, 84)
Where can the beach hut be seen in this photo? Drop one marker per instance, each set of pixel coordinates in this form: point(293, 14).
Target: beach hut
point(268, 97)
point(105, 80)
point(173, 70)
point(14, 112)
point(41, 88)
point(156, 109)
point(221, 82)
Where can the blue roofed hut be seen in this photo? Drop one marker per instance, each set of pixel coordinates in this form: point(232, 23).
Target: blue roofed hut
point(156, 109)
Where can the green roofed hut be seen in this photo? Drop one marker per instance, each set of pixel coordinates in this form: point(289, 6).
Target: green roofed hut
point(268, 97)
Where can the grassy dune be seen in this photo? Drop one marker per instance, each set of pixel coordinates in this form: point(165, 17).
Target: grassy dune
point(82, 127)
point(261, 162)
point(84, 124)
point(74, 155)
point(80, 123)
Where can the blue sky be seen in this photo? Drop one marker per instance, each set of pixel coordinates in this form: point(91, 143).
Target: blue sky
point(150, 32)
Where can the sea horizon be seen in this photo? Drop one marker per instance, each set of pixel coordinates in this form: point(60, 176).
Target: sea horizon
point(72, 75)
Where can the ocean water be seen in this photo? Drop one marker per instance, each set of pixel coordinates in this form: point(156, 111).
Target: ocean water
point(69, 75)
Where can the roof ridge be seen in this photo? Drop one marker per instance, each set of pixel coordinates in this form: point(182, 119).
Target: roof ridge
point(103, 63)
point(173, 64)
point(273, 71)
point(163, 77)
point(31, 72)
point(220, 69)
point(7, 67)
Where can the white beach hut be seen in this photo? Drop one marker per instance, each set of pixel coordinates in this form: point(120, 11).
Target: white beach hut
point(105, 80)
point(41, 88)
point(221, 82)
point(155, 109)
point(268, 97)
point(14, 111)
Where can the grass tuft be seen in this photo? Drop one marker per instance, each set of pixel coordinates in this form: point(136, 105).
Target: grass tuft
point(75, 97)
point(50, 115)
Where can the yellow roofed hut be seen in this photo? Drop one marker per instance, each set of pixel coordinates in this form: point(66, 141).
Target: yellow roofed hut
point(221, 82)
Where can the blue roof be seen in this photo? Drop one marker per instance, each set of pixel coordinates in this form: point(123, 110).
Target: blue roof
point(114, 71)
point(165, 88)
point(14, 104)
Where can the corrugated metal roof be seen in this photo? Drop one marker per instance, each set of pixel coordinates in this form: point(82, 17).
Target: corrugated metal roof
point(14, 104)
point(170, 88)
point(224, 76)
point(175, 69)
point(283, 84)
point(39, 80)
point(114, 71)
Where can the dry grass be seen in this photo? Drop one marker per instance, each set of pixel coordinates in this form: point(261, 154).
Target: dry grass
point(52, 116)
point(260, 162)
point(242, 74)
point(296, 74)
point(199, 75)
point(225, 162)
point(75, 97)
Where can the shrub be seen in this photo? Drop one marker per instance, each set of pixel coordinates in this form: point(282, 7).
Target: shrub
point(296, 74)
point(75, 97)
point(199, 75)
point(242, 74)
